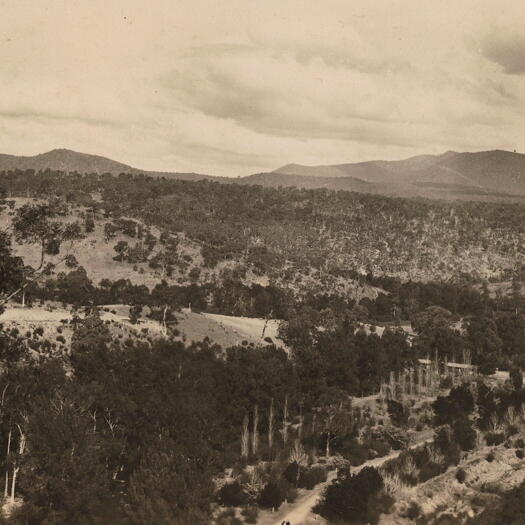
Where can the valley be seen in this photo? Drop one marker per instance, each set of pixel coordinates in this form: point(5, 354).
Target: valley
point(301, 346)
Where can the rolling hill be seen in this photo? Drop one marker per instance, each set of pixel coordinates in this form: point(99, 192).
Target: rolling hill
point(487, 175)
point(481, 175)
point(73, 161)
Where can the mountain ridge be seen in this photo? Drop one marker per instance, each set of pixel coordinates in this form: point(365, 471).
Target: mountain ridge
point(483, 175)
point(485, 172)
point(67, 160)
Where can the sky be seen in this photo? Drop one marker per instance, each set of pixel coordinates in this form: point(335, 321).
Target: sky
point(234, 87)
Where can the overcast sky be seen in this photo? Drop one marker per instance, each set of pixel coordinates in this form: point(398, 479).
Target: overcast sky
point(233, 87)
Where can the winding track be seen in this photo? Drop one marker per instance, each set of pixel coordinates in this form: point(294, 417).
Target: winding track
point(300, 512)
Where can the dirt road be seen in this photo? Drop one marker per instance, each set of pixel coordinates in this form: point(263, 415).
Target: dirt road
point(300, 512)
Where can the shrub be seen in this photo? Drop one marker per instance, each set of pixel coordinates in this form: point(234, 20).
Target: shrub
point(311, 477)
point(396, 438)
point(494, 438)
point(227, 517)
point(520, 454)
point(291, 472)
point(429, 471)
point(61, 339)
point(508, 509)
point(250, 514)
point(456, 406)
point(461, 475)
point(413, 511)
point(347, 499)
point(290, 493)
point(490, 457)
point(398, 413)
point(412, 422)
point(446, 383)
point(381, 447)
point(271, 496)
point(446, 443)
point(516, 378)
point(39, 330)
point(465, 435)
point(232, 495)
point(393, 485)
point(356, 453)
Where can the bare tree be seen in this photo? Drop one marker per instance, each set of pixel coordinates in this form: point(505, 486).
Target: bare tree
point(255, 430)
point(270, 428)
point(285, 420)
point(6, 488)
point(16, 467)
point(245, 437)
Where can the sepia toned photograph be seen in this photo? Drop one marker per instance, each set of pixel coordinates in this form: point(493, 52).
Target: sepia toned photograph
point(262, 262)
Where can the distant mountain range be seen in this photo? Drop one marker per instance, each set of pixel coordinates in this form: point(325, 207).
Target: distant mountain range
point(480, 175)
point(72, 161)
point(485, 175)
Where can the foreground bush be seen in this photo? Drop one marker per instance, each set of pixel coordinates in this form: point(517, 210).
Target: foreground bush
point(311, 477)
point(250, 514)
point(347, 499)
point(272, 496)
point(232, 495)
point(461, 475)
point(510, 510)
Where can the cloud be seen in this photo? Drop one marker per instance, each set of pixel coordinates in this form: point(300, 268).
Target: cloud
point(273, 91)
point(237, 87)
point(507, 50)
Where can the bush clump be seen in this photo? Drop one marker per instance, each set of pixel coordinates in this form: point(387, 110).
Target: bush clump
point(413, 511)
point(272, 496)
point(494, 438)
point(311, 477)
point(250, 514)
point(461, 475)
point(227, 517)
point(347, 499)
point(232, 495)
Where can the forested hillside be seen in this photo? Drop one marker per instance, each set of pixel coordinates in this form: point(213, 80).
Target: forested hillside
point(297, 233)
point(111, 415)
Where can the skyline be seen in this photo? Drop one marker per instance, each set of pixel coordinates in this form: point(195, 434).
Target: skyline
point(237, 88)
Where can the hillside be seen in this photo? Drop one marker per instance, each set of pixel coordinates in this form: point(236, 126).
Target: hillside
point(73, 161)
point(191, 314)
point(272, 180)
point(305, 239)
point(496, 175)
point(482, 176)
point(65, 160)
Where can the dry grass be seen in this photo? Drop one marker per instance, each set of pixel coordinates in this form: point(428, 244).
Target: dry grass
point(298, 454)
point(394, 486)
point(434, 455)
point(249, 327)
point(409, 466)
point(495, 425)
